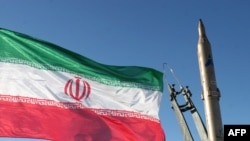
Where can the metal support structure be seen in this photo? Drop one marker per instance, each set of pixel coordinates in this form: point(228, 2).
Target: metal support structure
point(179, 109)
point(180, 117)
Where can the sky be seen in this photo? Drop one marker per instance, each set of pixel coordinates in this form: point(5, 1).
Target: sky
point(149, 33)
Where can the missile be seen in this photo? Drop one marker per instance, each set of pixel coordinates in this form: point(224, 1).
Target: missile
point(211, 94)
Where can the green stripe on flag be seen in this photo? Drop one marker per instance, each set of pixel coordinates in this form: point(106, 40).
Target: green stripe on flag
point(19, 48)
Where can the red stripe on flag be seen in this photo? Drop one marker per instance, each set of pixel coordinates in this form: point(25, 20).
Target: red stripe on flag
point(58, 124)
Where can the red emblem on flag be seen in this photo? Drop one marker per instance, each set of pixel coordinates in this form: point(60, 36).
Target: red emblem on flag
point(77, 88)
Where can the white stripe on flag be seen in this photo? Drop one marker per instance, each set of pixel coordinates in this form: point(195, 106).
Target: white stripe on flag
point(29, 82)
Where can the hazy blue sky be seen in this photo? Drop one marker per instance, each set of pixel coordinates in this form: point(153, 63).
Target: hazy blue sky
point(149, 33)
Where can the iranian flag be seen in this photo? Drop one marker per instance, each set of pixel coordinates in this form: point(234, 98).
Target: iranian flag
point(48, 92)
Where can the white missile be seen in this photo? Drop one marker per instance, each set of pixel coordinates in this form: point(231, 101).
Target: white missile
point(211, 93)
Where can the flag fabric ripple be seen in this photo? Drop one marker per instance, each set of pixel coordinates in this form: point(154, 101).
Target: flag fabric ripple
point(48, 92)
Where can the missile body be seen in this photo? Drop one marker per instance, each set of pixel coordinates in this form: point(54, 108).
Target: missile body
point(211, 93)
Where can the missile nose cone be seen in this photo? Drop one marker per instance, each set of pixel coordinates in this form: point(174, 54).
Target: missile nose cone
point(201, 29)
